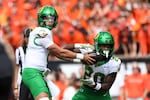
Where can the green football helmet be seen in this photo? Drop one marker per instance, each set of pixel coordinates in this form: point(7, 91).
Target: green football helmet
point(104, 44)
point(47, 14)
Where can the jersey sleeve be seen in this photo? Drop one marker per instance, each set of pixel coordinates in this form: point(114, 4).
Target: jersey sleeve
point(86, 50)
point(83, 51)
point(115, 65)
point(44, 38)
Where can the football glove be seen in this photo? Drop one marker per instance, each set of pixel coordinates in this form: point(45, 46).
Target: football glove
point(90, 82)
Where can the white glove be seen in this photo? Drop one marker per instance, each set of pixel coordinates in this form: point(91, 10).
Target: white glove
point(90, 82)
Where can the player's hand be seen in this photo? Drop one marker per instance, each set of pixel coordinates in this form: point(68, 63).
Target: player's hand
point(16, 93)
point(88, 59)
point(90, 82)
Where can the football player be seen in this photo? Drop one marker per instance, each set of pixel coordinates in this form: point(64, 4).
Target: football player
point(40, 44)
point(99, 77)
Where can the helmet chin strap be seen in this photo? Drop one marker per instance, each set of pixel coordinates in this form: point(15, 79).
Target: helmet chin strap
point(106, 52)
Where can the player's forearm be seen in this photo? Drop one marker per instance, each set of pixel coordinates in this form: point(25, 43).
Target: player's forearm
point(60, 52)
point(106, 85)
point(15, 77)
point(72, 47)
point(69, 47)
point(108, 81)
point(69, 55)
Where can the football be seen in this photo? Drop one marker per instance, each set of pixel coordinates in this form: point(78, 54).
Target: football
point(94, 56)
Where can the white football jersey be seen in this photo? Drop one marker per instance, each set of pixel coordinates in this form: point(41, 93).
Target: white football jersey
point(36, 55)
point(100, 71)
point(112, 65)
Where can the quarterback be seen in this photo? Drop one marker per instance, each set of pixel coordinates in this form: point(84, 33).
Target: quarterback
point(41, 44)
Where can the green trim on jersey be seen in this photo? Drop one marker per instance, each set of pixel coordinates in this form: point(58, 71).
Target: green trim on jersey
point(98, 76)
point(35, 41)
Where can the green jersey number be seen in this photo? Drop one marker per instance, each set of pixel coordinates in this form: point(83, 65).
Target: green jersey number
point(98, 77)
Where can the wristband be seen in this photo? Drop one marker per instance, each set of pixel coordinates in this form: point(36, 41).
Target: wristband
point(79, 56)
point(76, 60)
point(77, 45)
point(98, 86)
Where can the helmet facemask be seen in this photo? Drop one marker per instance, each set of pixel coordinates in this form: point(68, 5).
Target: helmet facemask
point(105, 50)
point(48, 21)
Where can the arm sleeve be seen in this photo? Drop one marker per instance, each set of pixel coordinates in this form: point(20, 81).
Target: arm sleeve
point(116, 66)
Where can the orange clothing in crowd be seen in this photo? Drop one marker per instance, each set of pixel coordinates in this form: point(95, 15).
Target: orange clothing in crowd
point(142, 39)
point(58, 39)
point(3, 14)
point(122, 3)
point(113, 15)
point(75, 36)
point(45, 2)
point(61, 83)
point(62, 86)
point(140, 15)
point(147, 84)
point(115, 31)
point(148, 37)
point(134, 86)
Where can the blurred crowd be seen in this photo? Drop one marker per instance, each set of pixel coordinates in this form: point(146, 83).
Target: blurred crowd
point(136, 85)
point(81, 20)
